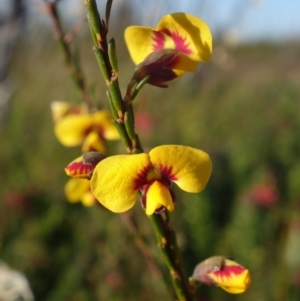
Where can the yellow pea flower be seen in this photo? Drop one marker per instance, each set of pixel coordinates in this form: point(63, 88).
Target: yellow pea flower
point(186, 36)
point(74, 126)
point(117, 180)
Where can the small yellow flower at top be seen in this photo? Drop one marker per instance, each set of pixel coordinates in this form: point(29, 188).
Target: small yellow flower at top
point(186, 38)
point(74, 126)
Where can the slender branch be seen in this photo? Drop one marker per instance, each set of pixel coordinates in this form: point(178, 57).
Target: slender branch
point(73, 32)
point(166, 239)
point(69, 58)
point(130, 224)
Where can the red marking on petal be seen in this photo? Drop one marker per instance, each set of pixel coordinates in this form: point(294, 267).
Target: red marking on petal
point(180, 42)
point(167, 176)
point(79, 169)
point(141, 178)
point(227, 271)
point(158, 41)
point(167, 173)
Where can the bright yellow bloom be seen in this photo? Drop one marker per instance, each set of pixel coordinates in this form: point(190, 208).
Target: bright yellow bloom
point(77, 190)
point(223, 272)
point(188, 35)
point(117, 180)
point(74, 128)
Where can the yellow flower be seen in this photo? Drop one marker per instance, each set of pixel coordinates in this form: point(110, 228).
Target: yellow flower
point(223, 272)
point(188, 36)
point(86, 129)
point(77, 190)
point(117, 180)
point(60, 109)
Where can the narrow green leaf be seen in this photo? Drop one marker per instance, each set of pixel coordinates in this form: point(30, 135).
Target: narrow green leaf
point(107, 12)
point(101, 63)
point(112, 54)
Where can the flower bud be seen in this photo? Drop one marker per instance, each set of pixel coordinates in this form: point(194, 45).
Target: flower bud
point(84, 166)
point(223, 272)
point(158, 67)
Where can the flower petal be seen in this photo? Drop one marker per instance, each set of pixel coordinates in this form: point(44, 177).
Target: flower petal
point(139, 40)
point(93, 142)
point(190, 34)
point(158, 195)
point(233, 278)
point(103, 119)
point(62, 108)
point(88, 199)
point(184, 64)
point(84, 166)
point(59, 109)
point(188, 167)
point(79, 168)
point(71, 130)
point(114, 180)
point(75, 188)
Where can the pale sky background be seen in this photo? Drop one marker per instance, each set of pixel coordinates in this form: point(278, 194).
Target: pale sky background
point(249, 20)
point(252, 19)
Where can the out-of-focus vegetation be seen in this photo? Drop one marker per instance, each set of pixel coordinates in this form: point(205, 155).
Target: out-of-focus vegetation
point(242, 108)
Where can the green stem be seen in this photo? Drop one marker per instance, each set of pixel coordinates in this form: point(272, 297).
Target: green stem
point(166, 239)
point(125, 124)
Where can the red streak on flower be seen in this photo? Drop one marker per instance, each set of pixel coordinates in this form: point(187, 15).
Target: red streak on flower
point(167, 176)
point(141, 178)
point(167, 173)
point(180, 42)
point(227, 271)
point(159, 40)
point(79, 169)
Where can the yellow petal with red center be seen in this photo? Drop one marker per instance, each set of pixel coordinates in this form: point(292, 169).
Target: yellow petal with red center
point(71, 130)
point(103, 119)
point(115, 180)
point(139, 40)
point(75, 189)
point(158, 195)
point(233, 278)
point(188, 167)
point(93, 142)
point(190, 34)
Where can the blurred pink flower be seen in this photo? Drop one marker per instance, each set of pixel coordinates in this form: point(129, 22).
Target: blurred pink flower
point(144, 122)
point(265, 194)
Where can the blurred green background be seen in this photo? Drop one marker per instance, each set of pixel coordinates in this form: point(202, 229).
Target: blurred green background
point(242, 108)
